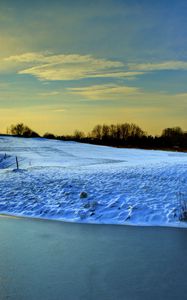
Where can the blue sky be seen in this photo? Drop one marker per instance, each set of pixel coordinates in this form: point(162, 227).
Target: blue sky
point(72, 64)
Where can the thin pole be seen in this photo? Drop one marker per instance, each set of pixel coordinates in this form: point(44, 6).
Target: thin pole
point(17, 164)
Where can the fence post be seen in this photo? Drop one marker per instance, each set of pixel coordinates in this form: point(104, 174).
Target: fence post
point(17, 164)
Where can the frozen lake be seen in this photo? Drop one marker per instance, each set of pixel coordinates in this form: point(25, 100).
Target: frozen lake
point(51, 260)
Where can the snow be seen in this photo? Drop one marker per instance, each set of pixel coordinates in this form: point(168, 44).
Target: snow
point(120, 186)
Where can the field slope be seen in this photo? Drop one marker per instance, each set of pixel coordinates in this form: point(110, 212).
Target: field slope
point(94, 184)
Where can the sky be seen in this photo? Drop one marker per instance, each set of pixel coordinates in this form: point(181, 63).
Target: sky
point(67, 65)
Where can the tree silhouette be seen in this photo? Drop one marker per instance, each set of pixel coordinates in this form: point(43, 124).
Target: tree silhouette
point(22, 130)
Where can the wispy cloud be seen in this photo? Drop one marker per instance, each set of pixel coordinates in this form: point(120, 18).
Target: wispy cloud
point(46, 66)
point(181, 95)
point(49, 94)
point(105, 91)
point(166, 65)
point(29, 57)
point(59, 110)
point(47, 57)
point(49, 67)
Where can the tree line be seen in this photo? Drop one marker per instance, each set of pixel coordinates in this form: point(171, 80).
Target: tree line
point(117, 135)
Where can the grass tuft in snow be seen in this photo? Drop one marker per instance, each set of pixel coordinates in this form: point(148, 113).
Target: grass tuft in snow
point(182, 207)
point(83, 195)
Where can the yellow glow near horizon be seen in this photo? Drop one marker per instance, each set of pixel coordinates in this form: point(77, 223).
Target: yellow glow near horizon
point(57, 77)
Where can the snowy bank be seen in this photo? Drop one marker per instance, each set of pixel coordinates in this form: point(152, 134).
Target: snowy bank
point(92, 184)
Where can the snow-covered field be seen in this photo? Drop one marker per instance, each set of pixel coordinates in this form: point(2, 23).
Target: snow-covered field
point(123, 186)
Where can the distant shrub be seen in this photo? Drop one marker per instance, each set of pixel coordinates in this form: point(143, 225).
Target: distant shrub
point(48, 135)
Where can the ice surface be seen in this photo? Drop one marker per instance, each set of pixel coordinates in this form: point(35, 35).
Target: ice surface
point(123, 186)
